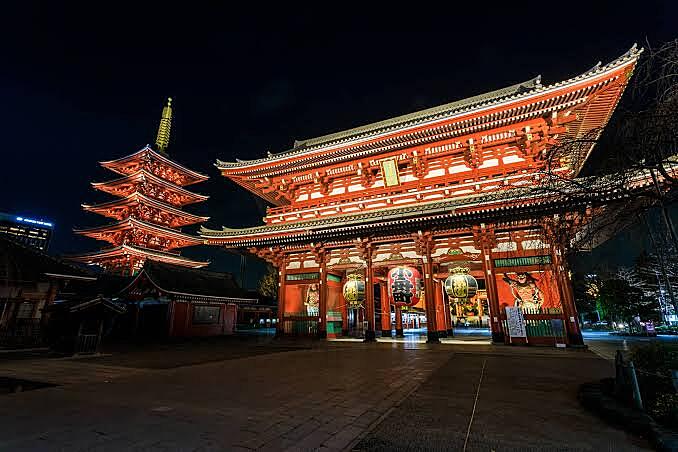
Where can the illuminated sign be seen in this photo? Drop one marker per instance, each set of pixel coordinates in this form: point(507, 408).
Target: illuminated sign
point(389, 170)
point(32, 221)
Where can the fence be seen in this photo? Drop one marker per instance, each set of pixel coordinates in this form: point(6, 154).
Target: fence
point(22, 333)
point(86, 343)
point(300, 326)
point(543, 326)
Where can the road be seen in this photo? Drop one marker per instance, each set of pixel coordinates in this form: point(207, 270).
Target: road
point(606, 345)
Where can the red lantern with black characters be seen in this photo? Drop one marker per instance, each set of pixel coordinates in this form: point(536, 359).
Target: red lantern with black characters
point(404, 286)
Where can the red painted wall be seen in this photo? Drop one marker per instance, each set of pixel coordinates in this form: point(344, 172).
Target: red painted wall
point(183, 325)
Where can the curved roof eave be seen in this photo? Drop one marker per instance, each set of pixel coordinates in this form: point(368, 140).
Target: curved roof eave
point(460, 106)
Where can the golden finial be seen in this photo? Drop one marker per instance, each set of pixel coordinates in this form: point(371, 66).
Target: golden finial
point(162, 141)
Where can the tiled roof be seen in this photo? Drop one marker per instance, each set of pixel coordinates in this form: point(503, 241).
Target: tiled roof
point(136, 223)
point(505, 200)
point(23, 263)
point(141, 198)
point(508, 94)
point(138, 251)
point(145, 175)
point(158, 156)
point(175, 279)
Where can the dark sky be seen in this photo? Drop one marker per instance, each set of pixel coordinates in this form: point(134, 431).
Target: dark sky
point(83, 84)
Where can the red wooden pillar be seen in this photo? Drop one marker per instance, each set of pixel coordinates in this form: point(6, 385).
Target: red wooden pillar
point(440, 309)
point(385, 311)
point(344, 313)
point(574, 336)
point(370, 334)
point(322, 302)
point(280, 326)
point(483, 236)
point(425, 244)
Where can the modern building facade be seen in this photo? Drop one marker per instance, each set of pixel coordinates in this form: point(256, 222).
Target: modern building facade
point(36, 233)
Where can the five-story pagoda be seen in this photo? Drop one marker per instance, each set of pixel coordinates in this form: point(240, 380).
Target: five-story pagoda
point(150, 195)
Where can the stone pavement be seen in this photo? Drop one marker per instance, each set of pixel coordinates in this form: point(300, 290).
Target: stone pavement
point(299, 400)
point(502, 401)
point(328, 397)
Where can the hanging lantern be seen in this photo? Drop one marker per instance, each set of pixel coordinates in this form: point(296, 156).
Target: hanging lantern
point(404, 286)
point(460, 284)
point(354, 291)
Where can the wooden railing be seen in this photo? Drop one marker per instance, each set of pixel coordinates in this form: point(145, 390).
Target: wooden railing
point(86, 343)
point(300, 326)
point(22, 333)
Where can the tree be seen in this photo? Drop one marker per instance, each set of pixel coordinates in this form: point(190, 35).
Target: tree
point(639, 145)
point(585, 288)
point(268, 284)
point(622, 302)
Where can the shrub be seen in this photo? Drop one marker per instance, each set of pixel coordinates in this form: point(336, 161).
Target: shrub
point(665, 410)
point(654, 362)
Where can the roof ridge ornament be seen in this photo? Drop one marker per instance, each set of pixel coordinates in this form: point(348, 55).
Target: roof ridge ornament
point(165, 127)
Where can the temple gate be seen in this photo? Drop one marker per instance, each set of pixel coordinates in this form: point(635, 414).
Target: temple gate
point(399, 204)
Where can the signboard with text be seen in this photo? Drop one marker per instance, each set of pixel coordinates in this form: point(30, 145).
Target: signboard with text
point(515, 322)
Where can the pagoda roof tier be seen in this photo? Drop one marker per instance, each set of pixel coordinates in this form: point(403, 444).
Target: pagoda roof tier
point(134, 229)
point(135, 253)
point(150, 185)
point(169, 216)
point(476, 115)
point(486, 207)
point(156, 163)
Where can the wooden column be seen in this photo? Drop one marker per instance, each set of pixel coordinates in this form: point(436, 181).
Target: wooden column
point(440, 309)
point(344, 312)
point(574, 336)
point(322, 303)
point(370, 334)
point(385, 310)
point(424, 244)
point(399, 321)
point(280, 327)
point(484, 237)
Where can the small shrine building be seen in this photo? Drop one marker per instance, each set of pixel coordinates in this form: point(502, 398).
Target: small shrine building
point(370, 221)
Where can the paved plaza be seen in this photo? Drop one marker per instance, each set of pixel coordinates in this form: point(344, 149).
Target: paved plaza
point(286, 395)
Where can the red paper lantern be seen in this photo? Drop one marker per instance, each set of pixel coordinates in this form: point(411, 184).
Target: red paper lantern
point(404, 286)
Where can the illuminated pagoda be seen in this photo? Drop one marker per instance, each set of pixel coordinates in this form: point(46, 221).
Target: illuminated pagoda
point(454, 186)
point(148, 210)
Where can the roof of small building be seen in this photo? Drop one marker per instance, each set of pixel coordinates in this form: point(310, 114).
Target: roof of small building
point(19, 262)
point(191, 282)
point(78, 305)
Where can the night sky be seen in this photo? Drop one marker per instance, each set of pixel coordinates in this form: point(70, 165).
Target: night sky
point(81, 85)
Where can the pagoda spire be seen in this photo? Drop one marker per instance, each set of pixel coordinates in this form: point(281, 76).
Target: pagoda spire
point(162, 140)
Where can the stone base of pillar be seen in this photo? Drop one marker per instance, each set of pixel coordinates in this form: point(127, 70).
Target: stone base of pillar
point(370, 336)
point(399, 333)
point(497, 337)
point(450, 332)
point(344, 332)
point(442, 333)
point(386, 333)
point(576, 340)
point(322, 334)
point(432, 337)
